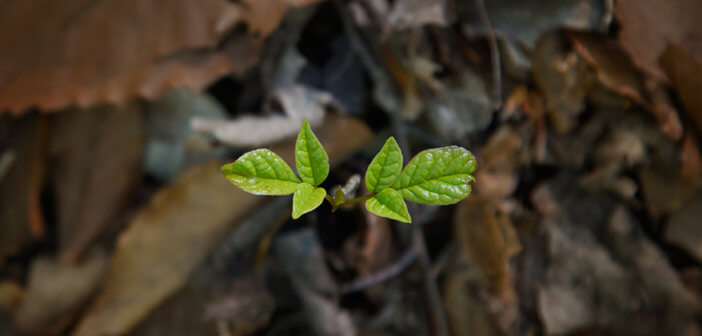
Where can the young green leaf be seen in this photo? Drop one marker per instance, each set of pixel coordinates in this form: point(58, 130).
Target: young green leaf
point(437, 176)
point(385, 167)
point(306, 199)
point(339, 198)
point(262, 172)
point(389, 203)
point(311, 160)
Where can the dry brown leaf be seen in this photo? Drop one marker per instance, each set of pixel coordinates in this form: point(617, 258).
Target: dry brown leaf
point(490, 239)
point(81, 53)
point(647, 26)
point(264, 16)
point(498, 171)
point(562, 77)
point(616, 72)
point(690, 159)
point(169, 238)
point(93, 170)
point(685, 72)
point(684, 229)
point(21, 217)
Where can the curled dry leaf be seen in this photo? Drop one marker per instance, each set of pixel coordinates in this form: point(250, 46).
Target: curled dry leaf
point(170, 237)
point(685, 72)
point(79, 53)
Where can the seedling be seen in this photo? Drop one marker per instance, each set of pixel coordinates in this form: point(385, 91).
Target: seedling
point(438, 176)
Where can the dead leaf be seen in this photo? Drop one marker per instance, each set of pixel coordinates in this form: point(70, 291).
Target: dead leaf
point(170, 237)
point(562, 77)
point(684, 229)
point(500, 159)
point(488, 236)
point(647, 26)
point(264, 16)
point(20, 212)
point(690, 159)
point(663, 192)
point(93, 170)
point(84, 53)
point(685, 72)
point(56, 290)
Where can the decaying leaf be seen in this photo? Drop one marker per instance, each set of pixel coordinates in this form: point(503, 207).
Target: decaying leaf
point(490, 239)
point(647, 26)
point(94, 170)
point(150, 262)
point(79, 53)
point(683, 228)
point(21, 217)
point(685, 72)
point(406, 14)
point(562, 77)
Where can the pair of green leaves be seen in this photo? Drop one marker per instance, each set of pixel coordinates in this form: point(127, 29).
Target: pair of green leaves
point(263, 172)
point(435, 176)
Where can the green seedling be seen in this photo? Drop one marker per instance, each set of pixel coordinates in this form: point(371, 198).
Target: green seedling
point(438, 176)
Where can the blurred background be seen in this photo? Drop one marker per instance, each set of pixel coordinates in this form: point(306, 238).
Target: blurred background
point(585, 117)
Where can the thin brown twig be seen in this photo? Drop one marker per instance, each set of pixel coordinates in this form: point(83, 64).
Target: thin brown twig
point(494, 52)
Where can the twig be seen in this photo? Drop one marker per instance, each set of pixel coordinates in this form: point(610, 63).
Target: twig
point(385, 274)
point(494, 52)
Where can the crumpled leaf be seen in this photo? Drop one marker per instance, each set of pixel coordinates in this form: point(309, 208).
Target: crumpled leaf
point(311, 159)
point(306, 199)
point(385, 167)
point(262, 172)
point(110, 51)
point(437, 176)
point(389, 203)
point(150, 262)
point(94, 170)
point(647, 26)
point(263, 16)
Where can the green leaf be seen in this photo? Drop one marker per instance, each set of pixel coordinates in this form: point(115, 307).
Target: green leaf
point(311, 160)
point(385, 167)
point(306, 199)
point(262, 172)
point(339, 198)
point(389, 203)
point(437, 176)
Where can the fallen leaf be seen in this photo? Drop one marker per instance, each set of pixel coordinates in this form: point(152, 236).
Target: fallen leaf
point(683, 228)
point(79, 53)
point(171, 236)
point(690, 159)
point(94, 170)
point(562, 78)
point(663, 192)
point(298, 103)
point(685, 72)
point(264, 16)
point(55, 291)
point(490, 239)
point(647, 26)
point(20, 211)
